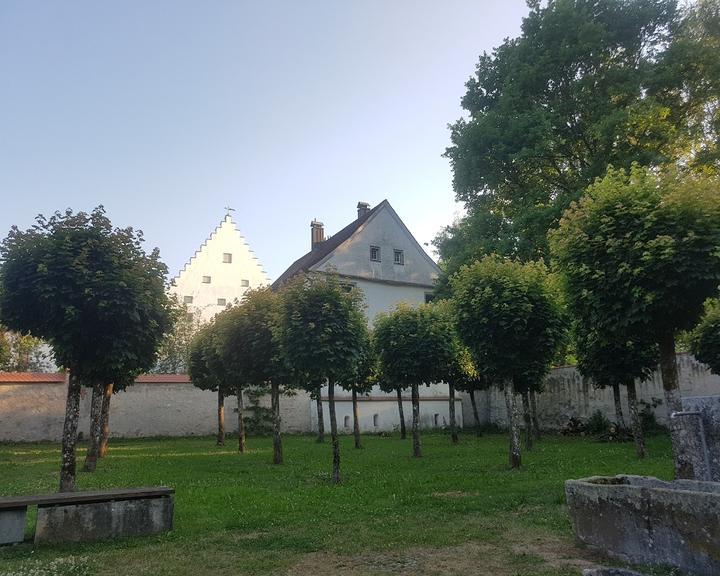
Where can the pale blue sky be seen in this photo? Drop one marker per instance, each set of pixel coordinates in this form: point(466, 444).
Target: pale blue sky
point(166, 111)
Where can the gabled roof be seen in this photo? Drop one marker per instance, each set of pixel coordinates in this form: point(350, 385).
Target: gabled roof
point(323, 249)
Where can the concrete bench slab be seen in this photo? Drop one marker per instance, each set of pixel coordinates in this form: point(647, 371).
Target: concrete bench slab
point(88, 516)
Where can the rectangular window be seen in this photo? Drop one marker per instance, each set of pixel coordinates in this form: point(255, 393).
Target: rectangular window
point(399, 257)
point(244, 283)
point(206, 279)
point(222, 302)
point(429, 297)
point(187, 299)
point(347, 286)
point(375, 253)
point(227, 258)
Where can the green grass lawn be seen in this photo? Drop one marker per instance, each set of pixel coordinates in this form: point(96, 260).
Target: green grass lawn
point(457, 510)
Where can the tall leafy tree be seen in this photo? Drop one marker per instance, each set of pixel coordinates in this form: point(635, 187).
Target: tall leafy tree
point(415, 346)
point(639, 254)
point(587, 84)
point(93, 293)
point(360, 380)
point(511, 320)
point(248, 345)
point(705, 338)
point(611, 358)
point(322, 329)
point(207, 371)
point(175, 348)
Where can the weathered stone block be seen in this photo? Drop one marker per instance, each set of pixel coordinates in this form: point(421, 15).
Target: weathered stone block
point(648, 521)
point(103, 520)
point(708, 408)
point(12, 525)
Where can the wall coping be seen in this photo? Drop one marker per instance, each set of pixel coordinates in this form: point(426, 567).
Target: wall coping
point(59, 378)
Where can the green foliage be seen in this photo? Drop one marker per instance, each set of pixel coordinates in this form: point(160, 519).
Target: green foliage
point(509, 317)
point(415, 345)
point(705, 338)
point(175, 348)
point(205, 365)
point(247, 341)
point(26, 354)
point(611, 356)
point(587, 84)
point(639, 253)
point(322, 328)
point(5, 352)
point(597, 423)
point(259, 419)
point(89, 290)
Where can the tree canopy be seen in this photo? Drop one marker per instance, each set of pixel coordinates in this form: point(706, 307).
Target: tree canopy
point(587, 84)
point(705, 338)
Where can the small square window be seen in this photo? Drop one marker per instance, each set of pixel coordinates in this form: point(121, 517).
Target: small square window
point(347, 286)
point(375, 253)
point(222, 301)
point(429, 297)
point(188, 299)
point(244, 283)
point(206, 279)
point(399, 257)
point(227, 258)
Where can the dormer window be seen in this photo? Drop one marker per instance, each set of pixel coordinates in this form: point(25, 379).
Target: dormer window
point(399, 257)
point(227, 258)
point(375, 253)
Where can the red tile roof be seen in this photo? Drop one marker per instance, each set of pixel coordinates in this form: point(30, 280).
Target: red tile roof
point(59, 378)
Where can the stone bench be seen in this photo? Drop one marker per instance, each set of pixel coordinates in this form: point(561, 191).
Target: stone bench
point(87, 516)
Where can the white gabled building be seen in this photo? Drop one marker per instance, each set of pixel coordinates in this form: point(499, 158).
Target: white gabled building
point(220, 272)
point(377, 254)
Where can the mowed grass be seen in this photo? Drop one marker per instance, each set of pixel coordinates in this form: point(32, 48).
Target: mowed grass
point(393, 514)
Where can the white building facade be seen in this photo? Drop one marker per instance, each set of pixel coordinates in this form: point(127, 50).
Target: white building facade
point(377, 254)
point(219, 273)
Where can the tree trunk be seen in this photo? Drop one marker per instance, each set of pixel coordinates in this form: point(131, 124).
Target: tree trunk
point(403, 431)
point(635, 419)
point(98, 393)
point(513, 428)
point(320, 416)
point(241, 420)
point(453, 424)
point(221, 418)
point(533, 413)
point(356, 419)
point(105, 435)
point(334, 434)
point(618, 406)
point(277, 441)
point(669, 370)
point(72, 415)
point(527, 419)
point(417, 450)
point(478, 432)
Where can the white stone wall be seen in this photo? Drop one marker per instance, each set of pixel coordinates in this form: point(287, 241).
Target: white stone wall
point(226, 279)
point(568, 395)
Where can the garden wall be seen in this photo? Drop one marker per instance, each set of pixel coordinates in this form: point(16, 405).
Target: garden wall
point(567, 394)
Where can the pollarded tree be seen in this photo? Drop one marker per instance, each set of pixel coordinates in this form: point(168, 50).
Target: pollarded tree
point(249, 349)
point(415, 346)
point(93, 294)
point(510, 318)
point(207, 371)
point(613, 359)
point(322, 328)
point(361, 379)
point(639, 254)
point(705, 338)
point(394, 388)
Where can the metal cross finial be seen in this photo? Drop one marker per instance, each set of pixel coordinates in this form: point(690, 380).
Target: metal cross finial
point(228, 209)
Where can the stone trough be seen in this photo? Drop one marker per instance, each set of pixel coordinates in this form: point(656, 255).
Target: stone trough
point(648, 521)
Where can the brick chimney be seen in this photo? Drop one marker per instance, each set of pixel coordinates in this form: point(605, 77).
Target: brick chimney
point(363, 208)
point(317, 233)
